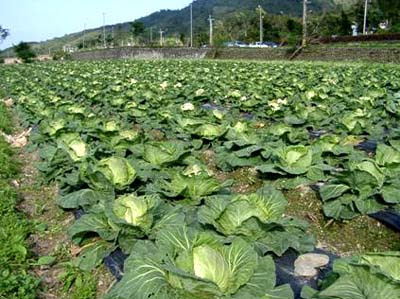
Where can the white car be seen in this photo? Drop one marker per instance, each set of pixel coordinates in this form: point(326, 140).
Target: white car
point(238, 44)
point(264, 45)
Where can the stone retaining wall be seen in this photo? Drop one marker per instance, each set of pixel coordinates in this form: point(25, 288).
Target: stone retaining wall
point(140, 53)
point(313, 53)
point(350, 54)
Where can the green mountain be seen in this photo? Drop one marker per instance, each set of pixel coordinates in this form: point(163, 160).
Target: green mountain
point(177, 22)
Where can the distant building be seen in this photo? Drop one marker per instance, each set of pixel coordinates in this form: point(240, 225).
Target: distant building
point(12, 60)
point(384, 25)
point(43, 57)
point(69, 49)
point(354, 28)
point(15, 60)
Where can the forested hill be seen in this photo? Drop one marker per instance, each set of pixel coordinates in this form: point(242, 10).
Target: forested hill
point(177, 20)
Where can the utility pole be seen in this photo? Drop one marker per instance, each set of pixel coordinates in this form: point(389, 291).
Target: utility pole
point(104, 29)
point(210, 19)
point(151, 35)
point(365, 17)
point(261, 24)
point(191, 25)
point(304, 41)
point(161, 37)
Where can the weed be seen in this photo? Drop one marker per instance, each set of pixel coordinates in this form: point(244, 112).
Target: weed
point(15, 258)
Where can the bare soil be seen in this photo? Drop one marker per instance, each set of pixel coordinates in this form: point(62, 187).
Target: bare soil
point(50, 239)
point(344, 238)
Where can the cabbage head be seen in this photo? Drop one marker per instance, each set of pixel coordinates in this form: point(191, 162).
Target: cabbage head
point(135, 210)
point(295, 159)
point(187, 263)
point(74, 145)
point(118, 171)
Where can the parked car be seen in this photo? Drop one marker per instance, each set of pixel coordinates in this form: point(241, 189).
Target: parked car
point(264, 45)
point(236, 44)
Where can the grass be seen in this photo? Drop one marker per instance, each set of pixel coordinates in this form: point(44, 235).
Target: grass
point(368, 45)
point(362, 234)
point(5, 119)
point(41, 221)
point(62, 278)
point(359, 235)
point(15, 256)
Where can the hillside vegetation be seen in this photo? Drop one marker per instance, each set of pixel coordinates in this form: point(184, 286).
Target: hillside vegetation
point(234, 20)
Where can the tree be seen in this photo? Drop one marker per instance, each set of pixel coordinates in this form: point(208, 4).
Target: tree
point(4, 33)
point(25, 52)
point(294, 27)
point(344, 24)
point(390, 10)
point(137, 28)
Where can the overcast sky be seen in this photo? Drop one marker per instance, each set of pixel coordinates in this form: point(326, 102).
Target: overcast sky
point(38, 20)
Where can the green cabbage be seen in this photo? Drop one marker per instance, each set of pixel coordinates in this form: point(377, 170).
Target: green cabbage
point(118, 171)
point(295, 159)
point(75, 146)
point(135, 210)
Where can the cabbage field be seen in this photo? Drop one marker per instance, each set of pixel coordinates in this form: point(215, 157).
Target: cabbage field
point(142, 152)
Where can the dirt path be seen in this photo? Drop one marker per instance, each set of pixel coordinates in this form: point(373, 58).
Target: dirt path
point(60, 279)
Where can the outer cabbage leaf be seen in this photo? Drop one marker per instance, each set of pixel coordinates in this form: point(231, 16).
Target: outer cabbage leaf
point(163, 152)
point(184, 263)
point(236, 215)
point(329, 191)
point(241, 134)
point(192, 187)
point(92, 254)
point(87, 199)
point(74, 145)
point(91, 223)
point(371, 168)
point(52, 127)
point(386, 155)
point(210, 131)
point(374, 275)
point(262, 283)
point(124, 139)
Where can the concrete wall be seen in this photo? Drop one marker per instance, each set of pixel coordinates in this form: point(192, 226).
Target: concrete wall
point(141, 53)
point(252, 54)
point(350, 54)
point(313, 53)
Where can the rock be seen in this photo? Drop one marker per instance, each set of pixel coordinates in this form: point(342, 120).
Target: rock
point(20, 142)
point(306, 265)
point(15, 183)
point(8, 103)
point(187, 107)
